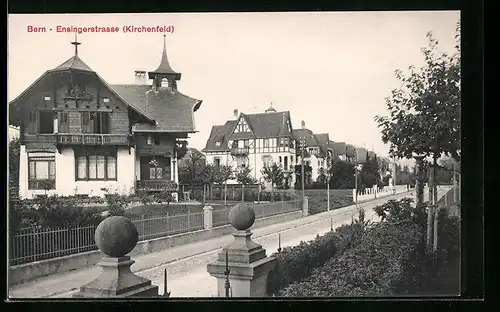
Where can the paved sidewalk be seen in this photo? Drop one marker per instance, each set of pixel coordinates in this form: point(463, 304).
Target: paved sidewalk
point(186, 264)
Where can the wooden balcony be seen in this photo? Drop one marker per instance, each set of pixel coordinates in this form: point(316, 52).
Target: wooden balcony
point(156, 185)
point(240, 151)
point(92, 139)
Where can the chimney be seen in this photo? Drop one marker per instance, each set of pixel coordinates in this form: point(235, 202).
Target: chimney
point(235, 113)
point(303, 123)
point(140, 77)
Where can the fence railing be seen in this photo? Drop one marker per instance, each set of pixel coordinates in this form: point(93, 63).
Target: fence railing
point(35, 243)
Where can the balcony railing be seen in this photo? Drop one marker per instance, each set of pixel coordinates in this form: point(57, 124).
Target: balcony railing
point(156, 185)
point(240, 151)
point(93, 139)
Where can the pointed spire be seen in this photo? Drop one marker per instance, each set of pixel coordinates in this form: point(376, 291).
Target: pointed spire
point(271, 109)
point(164, 68)
point(76, 43)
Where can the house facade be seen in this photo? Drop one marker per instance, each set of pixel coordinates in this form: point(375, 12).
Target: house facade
point(83, 136)
point(318, 150)
point(254, 141)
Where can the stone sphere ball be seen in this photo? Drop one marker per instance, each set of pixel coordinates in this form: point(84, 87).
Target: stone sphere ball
point(116, 236)
point(241, 217)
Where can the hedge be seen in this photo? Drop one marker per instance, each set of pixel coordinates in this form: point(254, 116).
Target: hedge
point(390, 259)
point(374, 267)
point(298, 262)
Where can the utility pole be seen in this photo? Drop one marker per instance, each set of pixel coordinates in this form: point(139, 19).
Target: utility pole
point(302, 144)
point(225, 182)
point(327, 181)
point(356, 179)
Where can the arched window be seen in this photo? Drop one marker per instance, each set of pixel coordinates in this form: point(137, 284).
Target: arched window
point(164, 83)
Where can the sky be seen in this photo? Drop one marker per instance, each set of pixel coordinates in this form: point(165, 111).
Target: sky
point(331, 69)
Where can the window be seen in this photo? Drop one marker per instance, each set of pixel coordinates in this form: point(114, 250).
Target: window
point(105, 100)
point(41, 172)
point(63, 122)
point(218, 143)
point(46, 119)
point(153, 139)
point(164, 83)
point(96, 167)
point(155, 173)
point(266, 142)
point(95, 122)
point(217, 161)
point(46, 98)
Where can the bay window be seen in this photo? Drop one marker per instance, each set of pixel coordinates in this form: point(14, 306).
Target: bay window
point(42, 172)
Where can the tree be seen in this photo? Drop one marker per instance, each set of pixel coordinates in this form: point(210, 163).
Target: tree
point(209, 178)
point(274, 175)
point(191, 170)
point(243, 176)
point(425, 111)
point(342, 175)
point(369, 175)
point(14, 154)
point(223, 174)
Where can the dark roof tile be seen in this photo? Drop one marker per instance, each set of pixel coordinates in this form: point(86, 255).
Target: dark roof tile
point(172, 111)
point(73, 63)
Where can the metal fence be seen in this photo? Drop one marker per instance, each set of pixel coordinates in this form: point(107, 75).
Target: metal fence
point(154, 227)
point(262, 210)
point(35, 243)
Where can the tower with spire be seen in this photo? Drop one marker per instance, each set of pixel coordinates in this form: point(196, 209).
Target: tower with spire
point(164, 71)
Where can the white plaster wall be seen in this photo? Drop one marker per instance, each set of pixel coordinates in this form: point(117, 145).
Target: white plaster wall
point(66, 184)
point(23, 173)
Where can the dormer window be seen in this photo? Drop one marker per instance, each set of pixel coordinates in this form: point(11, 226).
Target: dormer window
point(105, 100)
point(46, 98)
point(218, 143)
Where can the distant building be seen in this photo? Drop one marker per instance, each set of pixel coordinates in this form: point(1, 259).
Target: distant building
point(318, 148)
point(254, 140)
point(81, 135)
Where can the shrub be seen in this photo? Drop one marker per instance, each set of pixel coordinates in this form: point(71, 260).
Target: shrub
point(56, 211)
point(371, 268)
point(117, 204)
point(295, 263)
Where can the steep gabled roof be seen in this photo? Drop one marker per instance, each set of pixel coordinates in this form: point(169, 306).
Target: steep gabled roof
point(262, 125)
point(16, 101)
point(73, 63)
point(219, 133)
point(173, 112)
point(339, 148)
point(308, 135)
point(323, 141)
point(265, 125)
point(350, 151)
